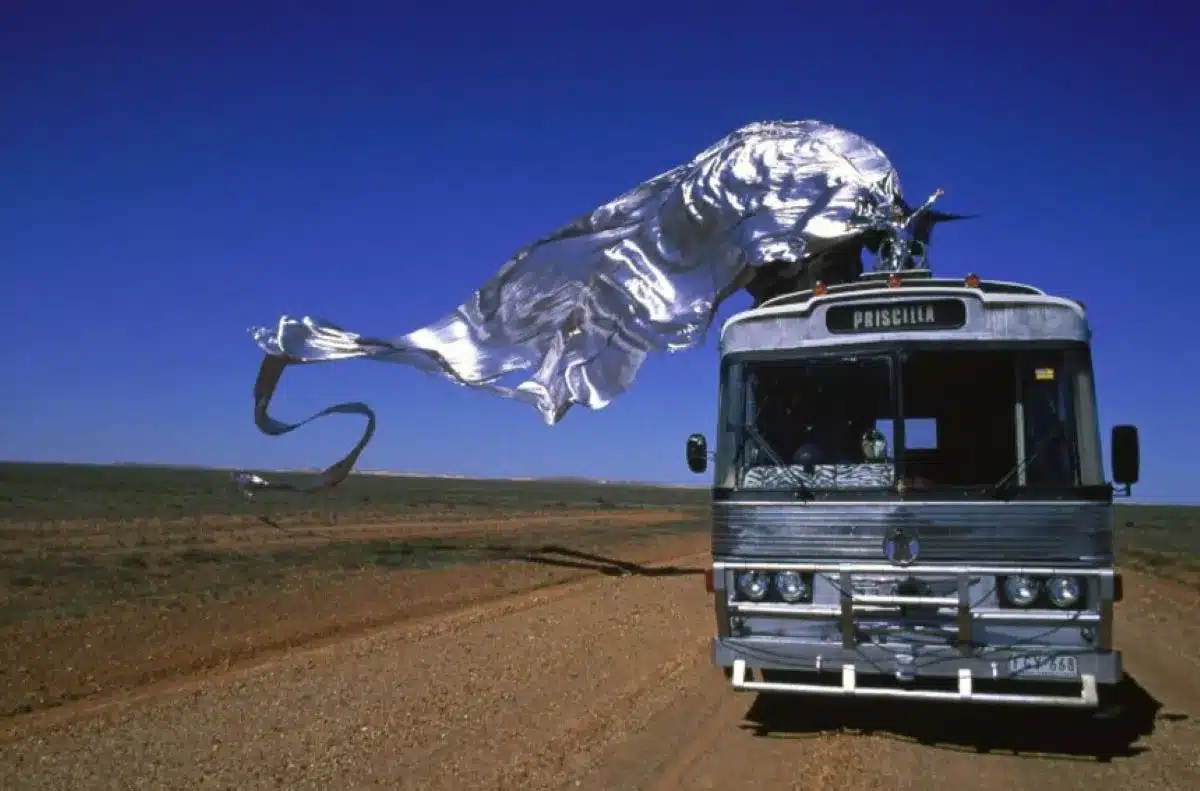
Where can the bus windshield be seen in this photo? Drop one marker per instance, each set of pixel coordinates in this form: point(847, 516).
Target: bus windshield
point(993, 421)
point(806, 424)
point(989, 418)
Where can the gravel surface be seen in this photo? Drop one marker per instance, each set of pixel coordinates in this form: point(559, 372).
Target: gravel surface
point(600, 683)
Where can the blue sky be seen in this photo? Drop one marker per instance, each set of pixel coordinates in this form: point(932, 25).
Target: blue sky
point(174, 173)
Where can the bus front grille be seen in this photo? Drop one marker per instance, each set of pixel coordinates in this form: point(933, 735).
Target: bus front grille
point(950, 533)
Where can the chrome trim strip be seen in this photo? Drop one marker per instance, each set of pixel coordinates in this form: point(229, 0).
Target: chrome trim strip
point(990, 614)
point(886, 568)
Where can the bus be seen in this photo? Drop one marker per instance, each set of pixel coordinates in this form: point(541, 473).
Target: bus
point(909, 497)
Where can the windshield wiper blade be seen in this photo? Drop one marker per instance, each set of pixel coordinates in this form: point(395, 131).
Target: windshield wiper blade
point(801, 486)
point(1001, 487)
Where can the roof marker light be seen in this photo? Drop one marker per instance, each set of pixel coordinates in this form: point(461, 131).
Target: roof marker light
point(819, 288)
point(972, 280)
point(894, 280)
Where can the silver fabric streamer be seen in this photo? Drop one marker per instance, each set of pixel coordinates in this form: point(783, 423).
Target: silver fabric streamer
point(582, 307)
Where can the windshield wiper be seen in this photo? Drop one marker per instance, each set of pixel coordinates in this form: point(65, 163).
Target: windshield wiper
point(801, 486)
point(1000, 487)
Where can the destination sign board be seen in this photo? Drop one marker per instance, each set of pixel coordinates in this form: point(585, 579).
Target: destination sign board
point(933, 314)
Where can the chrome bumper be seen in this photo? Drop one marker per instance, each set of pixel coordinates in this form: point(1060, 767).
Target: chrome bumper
point(1088, 697)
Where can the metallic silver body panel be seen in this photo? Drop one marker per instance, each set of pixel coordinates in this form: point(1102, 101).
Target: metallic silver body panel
point(975, 532)
point(990, 317)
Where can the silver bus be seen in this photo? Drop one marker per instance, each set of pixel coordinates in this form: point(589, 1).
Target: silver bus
point(909, 497)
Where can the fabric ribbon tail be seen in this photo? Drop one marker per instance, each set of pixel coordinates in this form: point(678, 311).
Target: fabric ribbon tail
point(269, 373)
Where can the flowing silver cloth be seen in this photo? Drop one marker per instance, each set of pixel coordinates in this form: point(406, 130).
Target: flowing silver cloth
point(579, 309)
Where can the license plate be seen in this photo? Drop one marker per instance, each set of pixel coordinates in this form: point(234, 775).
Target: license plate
point(1043, 665)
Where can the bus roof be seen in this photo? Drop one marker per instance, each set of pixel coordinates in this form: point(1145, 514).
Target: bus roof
point(879, 307)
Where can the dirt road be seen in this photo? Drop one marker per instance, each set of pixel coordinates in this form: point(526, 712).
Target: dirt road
point(599, 682)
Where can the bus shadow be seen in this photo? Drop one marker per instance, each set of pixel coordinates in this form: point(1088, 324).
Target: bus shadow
point(1043, 732)
point(566, 557)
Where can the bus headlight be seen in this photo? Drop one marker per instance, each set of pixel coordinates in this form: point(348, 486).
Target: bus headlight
point(792, 586)
point(753, 584)
point(1022, 590)
point(1064, 591)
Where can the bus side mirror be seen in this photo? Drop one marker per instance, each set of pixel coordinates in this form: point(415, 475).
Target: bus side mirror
point(697, 453)
point(1126, 458)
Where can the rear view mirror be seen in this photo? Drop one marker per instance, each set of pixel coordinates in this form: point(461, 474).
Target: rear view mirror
point(697, 453)
point(1126, 456)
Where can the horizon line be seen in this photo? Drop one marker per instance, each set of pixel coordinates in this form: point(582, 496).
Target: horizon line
point(380, 473)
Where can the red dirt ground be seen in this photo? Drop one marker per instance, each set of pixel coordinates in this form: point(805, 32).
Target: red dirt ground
point(518, 674)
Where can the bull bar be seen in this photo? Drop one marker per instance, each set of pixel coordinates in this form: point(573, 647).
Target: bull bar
point(959, 660)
